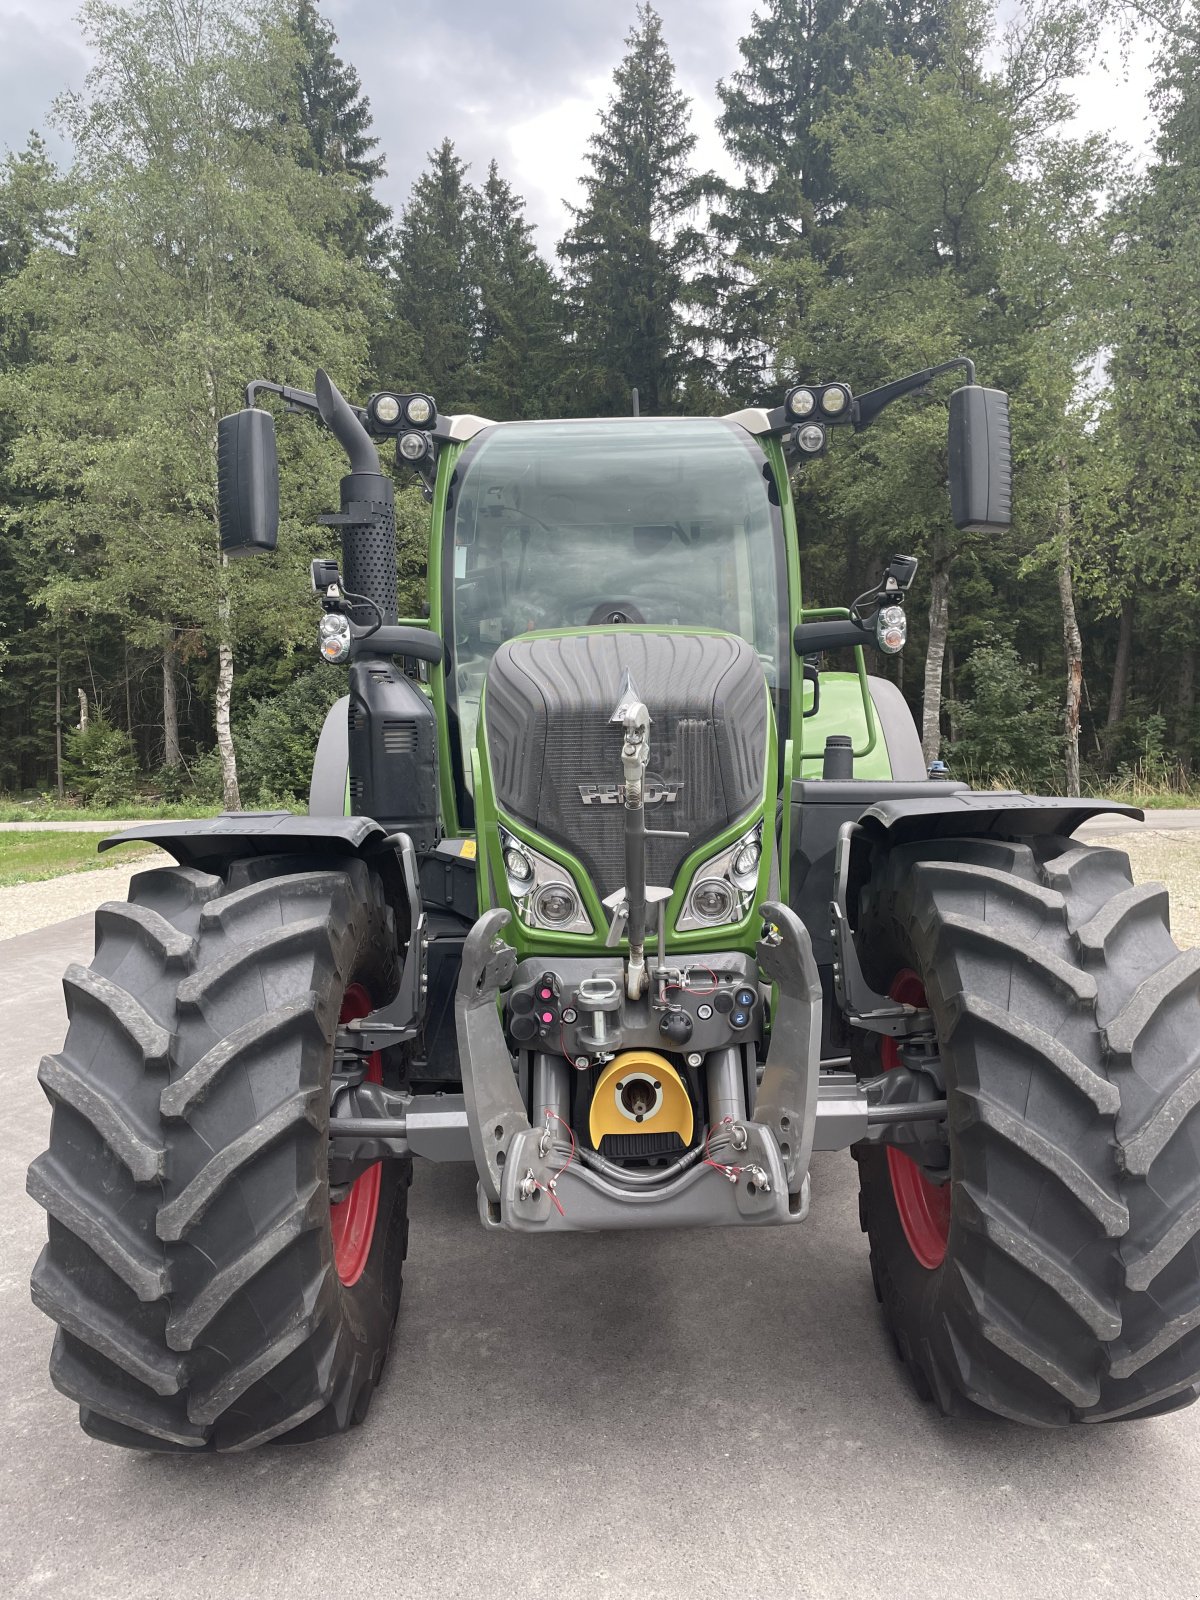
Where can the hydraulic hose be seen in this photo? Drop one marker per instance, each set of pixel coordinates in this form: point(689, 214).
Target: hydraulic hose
point(640, 1180)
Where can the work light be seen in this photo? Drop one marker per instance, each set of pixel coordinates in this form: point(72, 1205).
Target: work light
point(420, 410)
point(800, 402)
point(384, 409)
point(891, 629)
point(412, 447)
point(333, 636)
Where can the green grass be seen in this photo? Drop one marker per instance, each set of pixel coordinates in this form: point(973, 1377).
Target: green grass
point(33, 857)
point(47, 810)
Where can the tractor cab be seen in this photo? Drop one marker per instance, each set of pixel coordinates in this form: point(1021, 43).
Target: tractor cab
point(670, 523)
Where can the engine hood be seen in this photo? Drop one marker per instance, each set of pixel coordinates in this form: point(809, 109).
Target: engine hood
point(554, 754)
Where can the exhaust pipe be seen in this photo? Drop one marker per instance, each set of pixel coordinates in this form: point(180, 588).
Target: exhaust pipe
point(345, 426)
point(368, 516)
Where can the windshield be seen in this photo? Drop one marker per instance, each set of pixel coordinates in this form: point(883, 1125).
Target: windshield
point(664, 521)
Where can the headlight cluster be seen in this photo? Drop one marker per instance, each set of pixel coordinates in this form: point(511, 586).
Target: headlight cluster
point(391, 412)
point(723, 888)
point(543, 891)
point(829, 400)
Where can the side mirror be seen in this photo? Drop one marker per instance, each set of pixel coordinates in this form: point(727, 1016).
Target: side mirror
point(247, 482)
point(980, 460)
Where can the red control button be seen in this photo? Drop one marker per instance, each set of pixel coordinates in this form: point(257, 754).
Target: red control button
point(547, 1016)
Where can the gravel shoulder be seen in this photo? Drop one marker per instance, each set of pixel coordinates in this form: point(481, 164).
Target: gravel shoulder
point(1173, 858)
point(25, 907)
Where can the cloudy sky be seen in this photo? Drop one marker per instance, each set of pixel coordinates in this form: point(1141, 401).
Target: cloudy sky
point(520, 80)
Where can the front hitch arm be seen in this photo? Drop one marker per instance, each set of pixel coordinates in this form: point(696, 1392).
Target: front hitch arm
point(787, 1096)
point(495, 1111)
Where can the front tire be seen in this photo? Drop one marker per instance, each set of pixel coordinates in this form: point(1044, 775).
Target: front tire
point(191, 1265)
point(1065, 1285)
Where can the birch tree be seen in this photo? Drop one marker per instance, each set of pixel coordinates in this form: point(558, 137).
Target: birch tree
point(195, 259)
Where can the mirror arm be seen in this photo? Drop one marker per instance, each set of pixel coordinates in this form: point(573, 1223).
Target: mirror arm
point(868, 406)
point(296, 400)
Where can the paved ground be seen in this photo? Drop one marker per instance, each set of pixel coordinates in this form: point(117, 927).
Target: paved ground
point(697, 1415)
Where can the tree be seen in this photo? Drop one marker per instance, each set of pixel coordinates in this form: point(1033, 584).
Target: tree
point(1144, 541)
point(516, 348)
point(196, 257)
point(631, 253)
point(336, 117)
point(435, 296)
point(969, 223)
point(31, 654)
point(800, 60)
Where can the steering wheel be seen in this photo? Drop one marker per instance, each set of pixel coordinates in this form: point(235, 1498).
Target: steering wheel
point(615, 613)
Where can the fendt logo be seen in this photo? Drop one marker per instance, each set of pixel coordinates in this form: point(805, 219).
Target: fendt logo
point(655, 793)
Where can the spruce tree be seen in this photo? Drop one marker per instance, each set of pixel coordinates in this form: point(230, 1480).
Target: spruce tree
point(517, 338)
point(631, 253)
point(799, 61)
point(335, 115)
point(31, 195)
point(436, 300)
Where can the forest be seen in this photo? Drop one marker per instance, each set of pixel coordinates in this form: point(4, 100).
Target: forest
point(910, 186)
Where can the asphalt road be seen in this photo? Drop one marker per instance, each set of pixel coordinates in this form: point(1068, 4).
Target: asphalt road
point(706, 1414)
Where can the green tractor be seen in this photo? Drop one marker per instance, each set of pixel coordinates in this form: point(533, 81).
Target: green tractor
point(612, 888)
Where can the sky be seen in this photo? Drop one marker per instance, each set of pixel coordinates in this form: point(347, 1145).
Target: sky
point(518, 80)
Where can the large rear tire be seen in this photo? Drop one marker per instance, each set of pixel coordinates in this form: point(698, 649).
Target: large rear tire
point(191, 1264)
point(1060, 1283)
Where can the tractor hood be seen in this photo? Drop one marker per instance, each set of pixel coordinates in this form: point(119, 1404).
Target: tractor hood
point(555, 754)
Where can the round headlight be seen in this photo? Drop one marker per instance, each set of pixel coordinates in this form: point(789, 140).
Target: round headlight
point(556, 904)
point(333, 636)
point(386, 409)
point(412, 446)
point(800, 402)
point(743, 869)
point(811, 439)
point(891, 628)
point(420, 410)
point(518, 869)
point(833, 401)
point(711, 901)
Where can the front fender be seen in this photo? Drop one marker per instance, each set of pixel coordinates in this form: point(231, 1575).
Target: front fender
point(902, 820)
point(208, 841)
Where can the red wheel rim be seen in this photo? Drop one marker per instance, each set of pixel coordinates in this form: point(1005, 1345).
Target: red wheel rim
point(353, 1218)
point(924, 1207)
